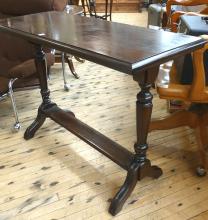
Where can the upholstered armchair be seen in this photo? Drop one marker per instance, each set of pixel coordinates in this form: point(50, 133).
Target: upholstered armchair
point(17, 64)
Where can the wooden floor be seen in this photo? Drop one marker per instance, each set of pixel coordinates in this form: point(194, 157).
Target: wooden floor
point(56, 176)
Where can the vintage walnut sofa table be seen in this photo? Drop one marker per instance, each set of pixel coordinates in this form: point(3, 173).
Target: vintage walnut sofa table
point(129, 49)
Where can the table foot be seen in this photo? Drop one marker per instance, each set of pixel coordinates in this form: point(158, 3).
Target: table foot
point(30, 131)
point(136, 172)
point(156, 172)
point(126, 189)
point(148, 170)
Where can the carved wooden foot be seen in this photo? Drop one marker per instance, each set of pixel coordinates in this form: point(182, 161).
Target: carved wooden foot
point(41, 66)
point(125, 190)
point(136, 172)
point(148, 170)
point(31, 130)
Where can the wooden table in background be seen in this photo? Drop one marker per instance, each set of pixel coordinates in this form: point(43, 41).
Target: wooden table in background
point(129, 49)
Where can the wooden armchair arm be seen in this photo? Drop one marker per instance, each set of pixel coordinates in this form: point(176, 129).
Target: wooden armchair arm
point(175, 17)
point(198, 86)
point(170, 3)
point(204, 11)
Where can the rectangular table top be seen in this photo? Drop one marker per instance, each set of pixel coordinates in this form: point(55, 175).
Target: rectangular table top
point(122, 47)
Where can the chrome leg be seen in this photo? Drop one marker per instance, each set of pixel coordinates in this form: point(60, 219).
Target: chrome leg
point(3, 96)
point(16, 126)
point(66, 85)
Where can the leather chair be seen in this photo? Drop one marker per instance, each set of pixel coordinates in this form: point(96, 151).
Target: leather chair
point(17, 65)
point(157, 14)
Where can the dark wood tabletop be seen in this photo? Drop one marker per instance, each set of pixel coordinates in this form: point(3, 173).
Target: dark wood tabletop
point(122, 47)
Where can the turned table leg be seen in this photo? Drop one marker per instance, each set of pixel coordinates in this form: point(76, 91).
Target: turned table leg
point(125, 190)
point(143, 118)
point(41, 65)
point(140, 166)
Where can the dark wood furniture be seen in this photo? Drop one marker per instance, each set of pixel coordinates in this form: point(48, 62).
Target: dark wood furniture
point(117, 5)
point(132, 50)
point(90, 7)
point(121, 5)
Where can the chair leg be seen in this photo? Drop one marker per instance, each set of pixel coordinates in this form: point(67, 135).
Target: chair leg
point(193, 120)
point(66, 85)
point(11, 94)
point(68, 59)
point(177, 119)
point(202, 140)
point(79, 59)
point(205, 121)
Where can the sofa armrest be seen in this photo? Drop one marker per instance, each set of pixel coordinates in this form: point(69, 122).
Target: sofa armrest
point(3, 85)
point(23, 7)
point(23, 70)
point(28, 67)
